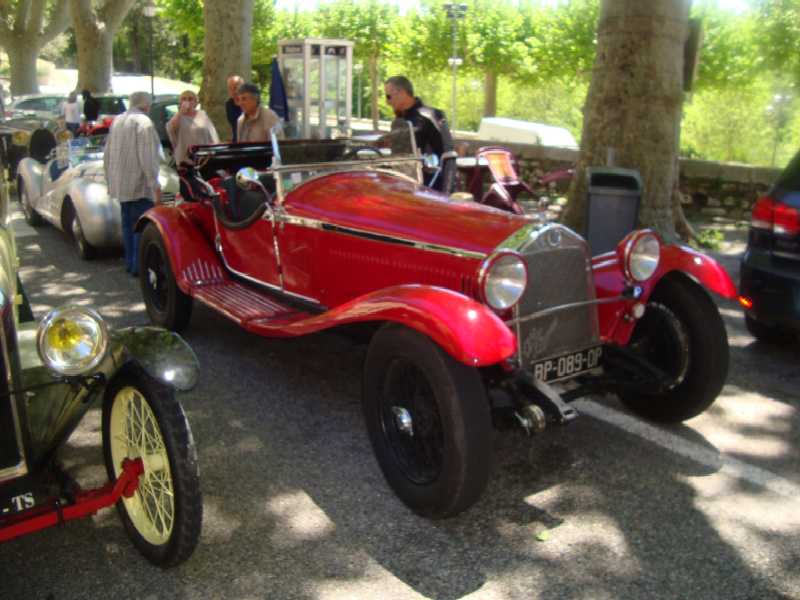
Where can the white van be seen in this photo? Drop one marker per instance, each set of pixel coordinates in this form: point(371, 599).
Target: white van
point(512, 131)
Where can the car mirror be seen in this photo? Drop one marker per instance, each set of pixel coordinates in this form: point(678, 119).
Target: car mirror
point(431, 161)
point(247, 178)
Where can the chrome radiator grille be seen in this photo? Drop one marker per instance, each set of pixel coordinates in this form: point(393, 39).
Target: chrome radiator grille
point(559, 274)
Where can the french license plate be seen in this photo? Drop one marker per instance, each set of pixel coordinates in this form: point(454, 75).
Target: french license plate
point(15, 504)
point(567, 365)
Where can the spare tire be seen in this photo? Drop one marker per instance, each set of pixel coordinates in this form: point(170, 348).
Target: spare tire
point(42, 143)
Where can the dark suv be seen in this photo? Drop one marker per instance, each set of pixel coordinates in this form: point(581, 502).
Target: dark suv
point(770, 285)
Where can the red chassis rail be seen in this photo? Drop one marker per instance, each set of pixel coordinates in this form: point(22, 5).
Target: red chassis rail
point(87, 503)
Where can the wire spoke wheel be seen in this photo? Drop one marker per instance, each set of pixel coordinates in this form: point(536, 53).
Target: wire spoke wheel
point(135, 434)
point(155, 273)
point(411, 422)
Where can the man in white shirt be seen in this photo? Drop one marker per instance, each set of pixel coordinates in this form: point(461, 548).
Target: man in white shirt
point(131, 160)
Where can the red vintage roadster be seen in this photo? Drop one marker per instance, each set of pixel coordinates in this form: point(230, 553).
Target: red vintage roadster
point(473, 313)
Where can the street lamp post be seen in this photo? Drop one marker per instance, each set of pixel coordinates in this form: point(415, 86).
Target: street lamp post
point(780, 112)
point(149, 11)
point(358, 68)
point(454, 13)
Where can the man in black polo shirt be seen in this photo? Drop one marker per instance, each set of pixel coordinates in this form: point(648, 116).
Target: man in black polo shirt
point(232, 109)
point(431, 132)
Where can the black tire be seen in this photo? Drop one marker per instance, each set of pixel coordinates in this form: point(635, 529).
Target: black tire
point(683, 334)
point(32, 218)
point(73, 227)
point(769, 334)
point(166, 535)
point(442, 469)
point(167, 306)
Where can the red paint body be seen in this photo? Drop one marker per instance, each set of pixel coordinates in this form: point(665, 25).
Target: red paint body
point(348, 268)
point(86, 503)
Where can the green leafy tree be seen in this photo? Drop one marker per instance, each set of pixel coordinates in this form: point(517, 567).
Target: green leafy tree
point(371, 25)
point(779, 36)
point(489, 39)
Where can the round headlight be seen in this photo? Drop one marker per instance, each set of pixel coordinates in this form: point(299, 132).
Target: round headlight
point(20, 138)
point(504, 279)
point(642, 255)
point(72, 340)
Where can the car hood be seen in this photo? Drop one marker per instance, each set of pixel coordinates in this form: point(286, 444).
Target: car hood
point(385, 204)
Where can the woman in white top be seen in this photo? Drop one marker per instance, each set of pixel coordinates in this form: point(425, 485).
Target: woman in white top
point(189, 127)
point(72, 113)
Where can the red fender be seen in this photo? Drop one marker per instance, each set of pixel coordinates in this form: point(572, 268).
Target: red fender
point(701, 267)
point(467, 330)
point(610, 282)
point(186, 242)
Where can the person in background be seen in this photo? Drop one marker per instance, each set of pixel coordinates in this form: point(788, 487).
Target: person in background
point(131, 161)
point(256, 121)
point(91, 106)
point(232, 109)
point(72, 113)
point(189, 127)
point(430, 129)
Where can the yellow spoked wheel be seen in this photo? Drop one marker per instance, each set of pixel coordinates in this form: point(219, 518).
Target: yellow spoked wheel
point(143, 419)
point(135, 434)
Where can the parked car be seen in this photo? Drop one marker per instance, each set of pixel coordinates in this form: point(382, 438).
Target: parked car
point(53, 373)
point(473, 313)
point(66, 186)
point(15, 140)
point(514, 131)
point(770, 268)
point(43, 106)
point(111, 105)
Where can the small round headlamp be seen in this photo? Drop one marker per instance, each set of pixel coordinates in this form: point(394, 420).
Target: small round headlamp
point(503, 281)
point(642, 254)
point(20, 138)
point(72, 340)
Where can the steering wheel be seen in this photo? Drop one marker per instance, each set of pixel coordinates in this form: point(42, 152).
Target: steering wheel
point(353, 152)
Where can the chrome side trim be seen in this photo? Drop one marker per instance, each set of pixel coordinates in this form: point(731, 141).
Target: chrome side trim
point(389, 239)
point(21, 468)
point(555, 309)
point(270, 286)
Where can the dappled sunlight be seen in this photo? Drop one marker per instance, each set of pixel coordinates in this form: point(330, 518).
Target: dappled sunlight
point(219, 525)
point(249, 444)
point(753, 523)
point(370, 584)
point(297, 519)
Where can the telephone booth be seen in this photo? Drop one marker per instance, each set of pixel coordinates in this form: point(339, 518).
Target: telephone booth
point(318, 76)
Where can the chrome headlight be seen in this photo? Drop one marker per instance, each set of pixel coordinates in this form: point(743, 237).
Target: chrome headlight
point(20, 138)
point(642, 253)
point(503, 280)
point(72, 340)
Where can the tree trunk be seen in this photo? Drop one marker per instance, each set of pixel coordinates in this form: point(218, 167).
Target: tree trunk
point(374, 95)
point(22, 60)
point(633, 109)
point(95, 28)
point(489, 94)
point(228, 24)
point(23, 36)
point(95, 59)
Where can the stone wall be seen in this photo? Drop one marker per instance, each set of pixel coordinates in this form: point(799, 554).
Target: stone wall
point(709, 188)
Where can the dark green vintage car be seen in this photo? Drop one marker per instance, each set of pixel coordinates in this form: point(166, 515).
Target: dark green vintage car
point(54, 372)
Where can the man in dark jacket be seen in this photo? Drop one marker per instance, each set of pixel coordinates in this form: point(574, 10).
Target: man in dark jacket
point(430, 130)
point(91, 106)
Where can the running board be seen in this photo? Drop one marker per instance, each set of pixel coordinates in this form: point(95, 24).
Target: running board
point(244, 305)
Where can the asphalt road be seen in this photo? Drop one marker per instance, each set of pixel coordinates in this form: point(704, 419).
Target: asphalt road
point(296, 507)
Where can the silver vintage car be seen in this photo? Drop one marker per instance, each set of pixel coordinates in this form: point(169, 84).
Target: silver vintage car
point(65, 185)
